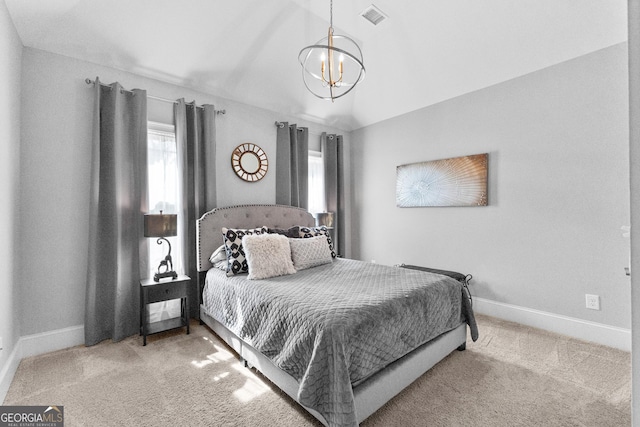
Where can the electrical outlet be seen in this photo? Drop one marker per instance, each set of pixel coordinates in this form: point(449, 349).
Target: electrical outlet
point(593, 302)
point(1, 343)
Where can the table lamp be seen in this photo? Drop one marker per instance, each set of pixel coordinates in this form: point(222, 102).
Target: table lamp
point(162, 226)
point(324, 218)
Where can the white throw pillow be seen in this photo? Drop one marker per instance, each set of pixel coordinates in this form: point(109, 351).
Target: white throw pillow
point(268, 255)
point(310, 252)
point(218, 255)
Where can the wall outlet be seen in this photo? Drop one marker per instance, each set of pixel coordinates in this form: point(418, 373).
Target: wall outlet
point(1, 343)
point(593, 302)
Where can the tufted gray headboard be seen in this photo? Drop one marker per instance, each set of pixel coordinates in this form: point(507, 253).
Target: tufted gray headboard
point(208, 227)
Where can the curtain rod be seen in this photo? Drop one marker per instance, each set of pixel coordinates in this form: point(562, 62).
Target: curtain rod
point(157, 98)
point(281, 125)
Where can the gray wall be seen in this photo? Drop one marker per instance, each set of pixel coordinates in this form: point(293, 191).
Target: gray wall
point(11, 54)
point(558, 189)
point(54, 172)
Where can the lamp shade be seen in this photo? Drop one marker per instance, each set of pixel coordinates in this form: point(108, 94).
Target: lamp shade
point(160, 225)
point(324, 218)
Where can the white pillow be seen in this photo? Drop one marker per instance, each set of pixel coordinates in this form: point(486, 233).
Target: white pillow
point(268, 255)
point(310, 252)
point(219, 254)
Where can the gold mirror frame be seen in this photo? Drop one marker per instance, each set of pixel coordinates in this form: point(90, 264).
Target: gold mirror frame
point(249, 162)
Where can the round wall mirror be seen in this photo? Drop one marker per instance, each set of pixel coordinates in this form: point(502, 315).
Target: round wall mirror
point(249, 162)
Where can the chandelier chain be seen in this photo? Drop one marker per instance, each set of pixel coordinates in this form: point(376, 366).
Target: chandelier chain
point(331, 13)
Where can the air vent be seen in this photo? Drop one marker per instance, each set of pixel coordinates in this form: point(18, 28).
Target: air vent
point(373, 15)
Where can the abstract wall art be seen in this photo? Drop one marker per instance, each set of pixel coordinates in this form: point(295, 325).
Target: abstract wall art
point(459, 181)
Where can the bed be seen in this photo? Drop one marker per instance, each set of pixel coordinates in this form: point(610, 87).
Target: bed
point(342, 337)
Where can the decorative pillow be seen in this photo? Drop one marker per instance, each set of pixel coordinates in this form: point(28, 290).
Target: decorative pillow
point(268, 255)
point(307, 232)
point(219, 254)
point(311, 252)
point(289, 232)
point(236, 260)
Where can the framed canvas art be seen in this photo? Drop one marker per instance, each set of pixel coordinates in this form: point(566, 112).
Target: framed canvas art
point(458, 181)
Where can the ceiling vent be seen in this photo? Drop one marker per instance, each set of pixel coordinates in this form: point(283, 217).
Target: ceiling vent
point(373, 15)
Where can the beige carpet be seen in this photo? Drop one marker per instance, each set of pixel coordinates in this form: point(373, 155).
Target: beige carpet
point(513, 376)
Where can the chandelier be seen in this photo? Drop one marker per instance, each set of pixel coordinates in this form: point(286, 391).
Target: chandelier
point(333, 66)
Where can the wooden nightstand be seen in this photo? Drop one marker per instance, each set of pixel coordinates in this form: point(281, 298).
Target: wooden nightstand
point(163, 290)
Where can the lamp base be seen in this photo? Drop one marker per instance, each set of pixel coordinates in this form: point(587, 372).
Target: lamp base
point(165, 265)
point(158, 276)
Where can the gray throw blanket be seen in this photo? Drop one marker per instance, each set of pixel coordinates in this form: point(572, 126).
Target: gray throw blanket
point(333, 326)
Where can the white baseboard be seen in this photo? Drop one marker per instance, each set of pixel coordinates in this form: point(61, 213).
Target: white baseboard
point(45, 342)
point(8, 371)
point(599, 333)
point(36, 344)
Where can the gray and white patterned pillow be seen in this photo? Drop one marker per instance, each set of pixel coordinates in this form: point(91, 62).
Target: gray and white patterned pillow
point(236, 259)
point(306, 232)
point(310, 252)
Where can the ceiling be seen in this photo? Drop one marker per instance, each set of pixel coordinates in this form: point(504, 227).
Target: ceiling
point(426, 51)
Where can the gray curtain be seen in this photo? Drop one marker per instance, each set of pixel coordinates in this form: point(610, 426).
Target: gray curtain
point(292, 165)
point(196, 155)
point(333, 158)
point(117, 205)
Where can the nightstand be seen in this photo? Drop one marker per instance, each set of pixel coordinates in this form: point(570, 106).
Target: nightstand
point(163, 290)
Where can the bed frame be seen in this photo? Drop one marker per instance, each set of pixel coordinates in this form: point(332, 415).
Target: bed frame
point(371, 394)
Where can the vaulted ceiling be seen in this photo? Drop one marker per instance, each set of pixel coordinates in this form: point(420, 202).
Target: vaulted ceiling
point(426, 51)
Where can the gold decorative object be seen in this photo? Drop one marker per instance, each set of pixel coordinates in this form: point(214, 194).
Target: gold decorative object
point(249, 162)
point(333, 66)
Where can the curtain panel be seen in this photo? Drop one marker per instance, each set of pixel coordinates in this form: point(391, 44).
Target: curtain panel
point(118, 201)
point(333, 157)
point(196, 157)
point(292, 165)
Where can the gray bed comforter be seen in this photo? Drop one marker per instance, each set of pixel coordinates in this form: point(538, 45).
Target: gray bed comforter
point(332, 326)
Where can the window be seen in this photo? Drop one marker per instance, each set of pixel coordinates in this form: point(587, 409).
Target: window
point(162, 168)
point(162, 183)
point(316, 183)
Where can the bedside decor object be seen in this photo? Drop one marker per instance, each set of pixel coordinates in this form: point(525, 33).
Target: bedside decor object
point(324, 218)
point(324, 70)
point(162, 226)
point(459, 181)
point(327, 219)
point(249, 162)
